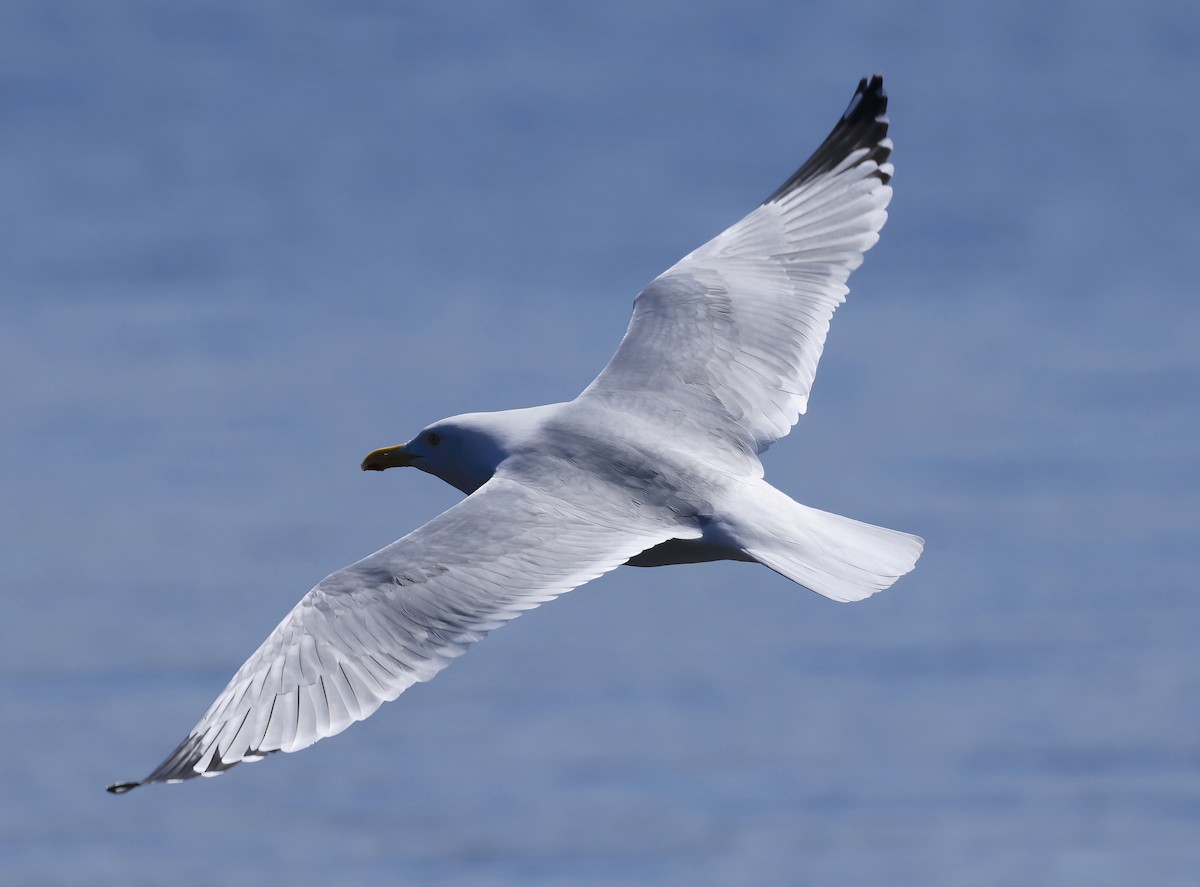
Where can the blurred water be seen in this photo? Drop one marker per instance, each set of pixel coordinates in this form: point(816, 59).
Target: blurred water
point(243, 243)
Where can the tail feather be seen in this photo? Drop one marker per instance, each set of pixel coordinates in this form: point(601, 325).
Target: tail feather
point(835, 556)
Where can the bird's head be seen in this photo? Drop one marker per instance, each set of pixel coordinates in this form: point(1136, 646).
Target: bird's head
point(465, 451)
point(461, 450)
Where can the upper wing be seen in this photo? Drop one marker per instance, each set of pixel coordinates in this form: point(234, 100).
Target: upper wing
point(365, 634)
point(731, 335)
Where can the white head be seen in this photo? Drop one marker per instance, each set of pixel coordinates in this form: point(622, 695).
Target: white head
point(464, 451)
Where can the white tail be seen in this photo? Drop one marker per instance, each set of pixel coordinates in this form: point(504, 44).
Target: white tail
point(840, 558)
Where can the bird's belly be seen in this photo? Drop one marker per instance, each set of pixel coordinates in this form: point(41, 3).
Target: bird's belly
point(687, 551)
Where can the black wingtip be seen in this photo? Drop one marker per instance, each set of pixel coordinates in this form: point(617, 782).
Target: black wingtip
point(119, 788)
point(868, 103)
point(864, 124)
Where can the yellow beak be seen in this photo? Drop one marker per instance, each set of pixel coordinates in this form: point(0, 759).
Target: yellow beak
point(388, 457)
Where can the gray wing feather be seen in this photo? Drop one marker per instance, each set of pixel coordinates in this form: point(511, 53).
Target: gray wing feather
point(729, 338)
point(367, 633)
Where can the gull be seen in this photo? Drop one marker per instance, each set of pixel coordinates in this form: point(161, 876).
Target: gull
point(655, 463)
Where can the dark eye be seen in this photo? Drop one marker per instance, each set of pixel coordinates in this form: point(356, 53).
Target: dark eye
point(433, 438)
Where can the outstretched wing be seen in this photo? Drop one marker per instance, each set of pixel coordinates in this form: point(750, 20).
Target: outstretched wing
point(730, 336)
point(367, 633)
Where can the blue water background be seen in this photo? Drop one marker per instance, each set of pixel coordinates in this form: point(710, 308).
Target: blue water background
point(242, 243)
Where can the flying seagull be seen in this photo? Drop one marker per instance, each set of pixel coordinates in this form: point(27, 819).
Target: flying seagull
point(655, 463)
